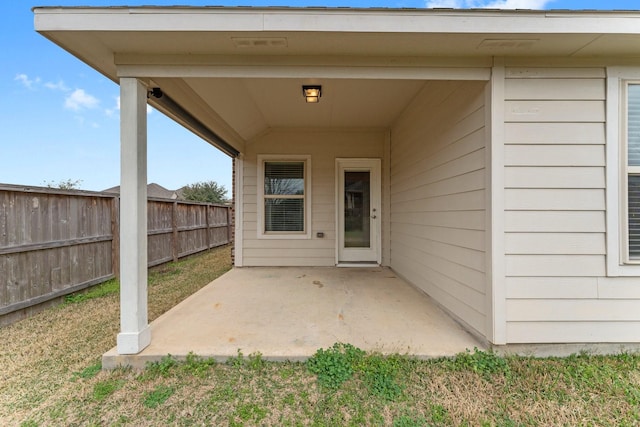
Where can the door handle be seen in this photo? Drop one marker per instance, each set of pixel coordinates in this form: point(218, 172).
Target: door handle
point(373, 216)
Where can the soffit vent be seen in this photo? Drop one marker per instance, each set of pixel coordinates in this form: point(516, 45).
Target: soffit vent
point(507, 44)
point(259, 42)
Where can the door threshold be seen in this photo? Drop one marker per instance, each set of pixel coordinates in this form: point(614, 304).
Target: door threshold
point(358, 264)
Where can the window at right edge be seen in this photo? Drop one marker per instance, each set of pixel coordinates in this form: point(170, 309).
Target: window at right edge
point(632, 169)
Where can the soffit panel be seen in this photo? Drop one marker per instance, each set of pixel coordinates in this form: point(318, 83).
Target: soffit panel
point(356, 44)
point(615, 45)
point(251, 106)
point(233, 102)
point(190, 100)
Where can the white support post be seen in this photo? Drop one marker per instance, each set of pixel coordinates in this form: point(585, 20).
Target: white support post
point(386, 201)
point(238, 200)
point(134, 333)
point(495, 267)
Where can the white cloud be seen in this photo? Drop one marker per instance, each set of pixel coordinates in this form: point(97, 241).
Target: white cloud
point(518, 4)
point(489, 4)
point(57, 86)
point(79, 100)
point(111, 111)
point(453, 4)
point(26, 81)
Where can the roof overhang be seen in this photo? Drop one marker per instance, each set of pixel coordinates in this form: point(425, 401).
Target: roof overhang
point(231, 67)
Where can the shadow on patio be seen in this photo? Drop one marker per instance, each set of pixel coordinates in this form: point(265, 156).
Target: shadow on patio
point(287, 313)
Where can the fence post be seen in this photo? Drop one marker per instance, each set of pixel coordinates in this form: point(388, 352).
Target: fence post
point(174, 234)
point(115, 236)
point(206, 214)
point(228, 209)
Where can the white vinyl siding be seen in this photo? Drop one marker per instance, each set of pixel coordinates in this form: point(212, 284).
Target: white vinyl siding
point(438, 197)
point(555, 212)
point(322, 148)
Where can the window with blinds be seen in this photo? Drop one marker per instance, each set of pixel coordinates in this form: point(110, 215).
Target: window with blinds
point(633, 170)
point(284, 196)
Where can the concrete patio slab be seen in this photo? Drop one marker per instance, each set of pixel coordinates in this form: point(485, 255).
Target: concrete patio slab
point(287, 313)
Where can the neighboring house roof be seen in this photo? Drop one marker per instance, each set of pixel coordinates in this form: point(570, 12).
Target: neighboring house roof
point(115, 190)
point(154, 190)
point(180, 192)
point(158, 191)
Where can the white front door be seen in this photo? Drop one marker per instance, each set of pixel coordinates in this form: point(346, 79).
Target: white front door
point(359, 215)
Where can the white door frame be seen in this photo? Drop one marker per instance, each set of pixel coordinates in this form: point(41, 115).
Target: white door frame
point(352, 256)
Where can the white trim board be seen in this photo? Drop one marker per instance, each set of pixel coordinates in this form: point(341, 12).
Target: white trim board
point(260, 234)
point(374, 165)
point(357, 264)
point(239, 217)
point(334, 20)
point(494, 225)
point(615, 259)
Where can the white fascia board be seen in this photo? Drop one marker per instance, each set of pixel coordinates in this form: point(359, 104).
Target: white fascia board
point(454, 23)
point(144, 19)
point(335, 20)
point(235, 66)
point(300, 60)
point(240, 71)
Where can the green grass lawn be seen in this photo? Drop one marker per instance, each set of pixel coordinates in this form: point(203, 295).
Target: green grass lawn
point(50, 375)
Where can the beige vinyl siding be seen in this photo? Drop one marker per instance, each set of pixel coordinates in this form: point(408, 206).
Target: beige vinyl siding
point(323, 147)
point(438, 197)
point(555, 242)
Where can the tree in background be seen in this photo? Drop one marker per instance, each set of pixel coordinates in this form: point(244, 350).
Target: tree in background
point(67, 184)
point(206, 191)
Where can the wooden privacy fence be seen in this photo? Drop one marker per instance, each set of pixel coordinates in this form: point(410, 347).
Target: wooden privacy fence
point(55, 242)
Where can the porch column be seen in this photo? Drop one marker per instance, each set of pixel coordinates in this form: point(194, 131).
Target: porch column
point(495, 205)
point(134, 334)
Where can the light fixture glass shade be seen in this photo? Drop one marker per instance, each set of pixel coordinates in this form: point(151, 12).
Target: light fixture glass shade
point(312, 94)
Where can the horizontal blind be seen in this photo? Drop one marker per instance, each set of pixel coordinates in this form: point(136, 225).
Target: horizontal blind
point(284, 214)
point(283, 178)
point(633, 188)
point(284, 196)
point(633, 124)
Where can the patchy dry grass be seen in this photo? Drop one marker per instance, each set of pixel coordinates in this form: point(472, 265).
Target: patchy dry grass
point(40, 357)
point(43, 383)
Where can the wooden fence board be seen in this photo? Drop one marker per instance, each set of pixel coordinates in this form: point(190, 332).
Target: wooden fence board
point(55, 242)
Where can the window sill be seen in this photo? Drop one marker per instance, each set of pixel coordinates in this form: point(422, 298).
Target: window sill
point(622, 270)
point(283, 236)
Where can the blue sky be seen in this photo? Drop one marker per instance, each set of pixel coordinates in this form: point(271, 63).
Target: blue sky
point(59, 118)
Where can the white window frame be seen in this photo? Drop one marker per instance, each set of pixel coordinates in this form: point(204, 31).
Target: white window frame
point(261, 233)
point(618, 262)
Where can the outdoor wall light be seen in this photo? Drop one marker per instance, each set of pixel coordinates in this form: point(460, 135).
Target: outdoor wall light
point(312, 94)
